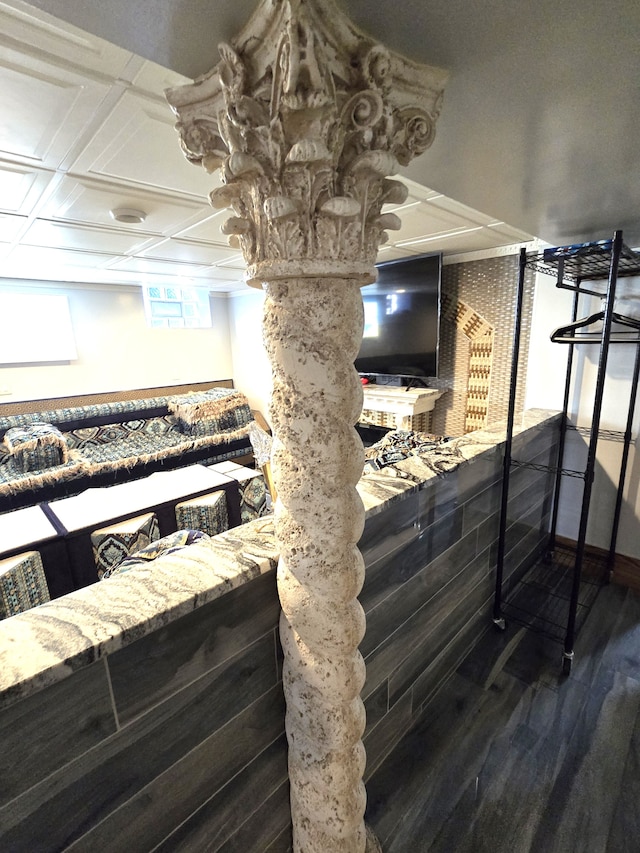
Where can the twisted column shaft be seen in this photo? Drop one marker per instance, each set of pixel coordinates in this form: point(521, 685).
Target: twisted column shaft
point(312, 331)
point(307, 118)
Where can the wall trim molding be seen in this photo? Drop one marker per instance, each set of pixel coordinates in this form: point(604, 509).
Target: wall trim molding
point(626, 570)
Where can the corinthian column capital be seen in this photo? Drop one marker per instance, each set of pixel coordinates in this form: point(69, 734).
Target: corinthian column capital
point(307, 118)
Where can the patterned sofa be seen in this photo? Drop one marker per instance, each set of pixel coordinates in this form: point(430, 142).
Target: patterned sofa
point(60, 452)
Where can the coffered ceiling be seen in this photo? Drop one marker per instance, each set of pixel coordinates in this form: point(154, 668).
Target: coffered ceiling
point(85, 129)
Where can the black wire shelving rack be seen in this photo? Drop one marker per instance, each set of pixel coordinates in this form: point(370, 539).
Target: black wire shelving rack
point(556, 593)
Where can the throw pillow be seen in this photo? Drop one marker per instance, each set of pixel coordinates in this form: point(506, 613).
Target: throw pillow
point(36, 446)
point(206, 416)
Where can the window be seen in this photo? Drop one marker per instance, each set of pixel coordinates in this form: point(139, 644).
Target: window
point(177, 307)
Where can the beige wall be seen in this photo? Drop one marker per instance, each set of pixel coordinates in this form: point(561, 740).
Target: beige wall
point(251, 368)
point(116, 349)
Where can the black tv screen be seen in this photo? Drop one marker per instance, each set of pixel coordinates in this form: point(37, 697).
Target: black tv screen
point(401, 314)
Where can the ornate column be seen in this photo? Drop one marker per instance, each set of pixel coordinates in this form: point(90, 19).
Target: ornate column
point(307, 117)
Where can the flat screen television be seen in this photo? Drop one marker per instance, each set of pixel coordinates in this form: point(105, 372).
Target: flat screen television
point(401, 319)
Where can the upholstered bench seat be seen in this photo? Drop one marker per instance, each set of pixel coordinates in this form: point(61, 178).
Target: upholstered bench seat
point(55, 453)
point(134, 445)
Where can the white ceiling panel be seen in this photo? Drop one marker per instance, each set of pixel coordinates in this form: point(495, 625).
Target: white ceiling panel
point(425, 220)
point(449, 207)
point(220, 275)
point(85, 200)
point(155, 79)
point(86, 129)
point(138, 144)
point(389, 252)
point(21, 187)
point(181, 250)
point(44, 232)
point(208, 230)
point(460, 240)
point(232, 271)
point(509, 234)
point(11, 226)
point(462, 212)
point(51, 263)
point(235, 262)
point(149, 266)
point(45, 108)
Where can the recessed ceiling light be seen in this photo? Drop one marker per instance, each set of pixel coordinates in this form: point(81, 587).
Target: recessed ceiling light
point(130, 215)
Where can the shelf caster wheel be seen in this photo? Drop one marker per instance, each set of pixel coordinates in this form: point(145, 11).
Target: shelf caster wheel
point(547, 557)
point(499, 624)
point(567, 661)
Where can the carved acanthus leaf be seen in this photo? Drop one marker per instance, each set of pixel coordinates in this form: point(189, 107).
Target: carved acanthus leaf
point(307, 117)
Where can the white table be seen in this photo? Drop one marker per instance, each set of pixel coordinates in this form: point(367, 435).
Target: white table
point(95, 507)
point(24, 529)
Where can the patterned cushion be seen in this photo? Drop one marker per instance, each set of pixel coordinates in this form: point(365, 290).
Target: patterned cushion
point(253, 499)
point(398, 445)
point(22, 584)
point(167, 545)
point(133, 447)
point(253, 496)
point(36, 446)
point(211, 412)
point(84, 437)
point(112, 544)
point(206, 512)
point(89, 412)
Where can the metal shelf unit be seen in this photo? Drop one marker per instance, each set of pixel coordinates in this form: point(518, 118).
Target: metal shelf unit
point(555, 595)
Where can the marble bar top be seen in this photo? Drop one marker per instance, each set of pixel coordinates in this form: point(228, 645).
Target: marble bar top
point(49, 642)
point(380, 488)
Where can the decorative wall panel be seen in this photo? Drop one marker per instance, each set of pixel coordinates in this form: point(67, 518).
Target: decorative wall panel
point(476, 336)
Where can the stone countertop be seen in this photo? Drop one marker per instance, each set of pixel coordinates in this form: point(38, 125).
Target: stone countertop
point(380, 488)
point(49, 642)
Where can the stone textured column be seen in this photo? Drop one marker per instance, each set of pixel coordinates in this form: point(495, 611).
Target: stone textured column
point(307, 118)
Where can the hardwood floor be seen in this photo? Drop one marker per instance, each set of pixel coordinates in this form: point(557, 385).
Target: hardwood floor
point(514, 757)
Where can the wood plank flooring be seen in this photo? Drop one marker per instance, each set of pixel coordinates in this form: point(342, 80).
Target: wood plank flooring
point(514, 757)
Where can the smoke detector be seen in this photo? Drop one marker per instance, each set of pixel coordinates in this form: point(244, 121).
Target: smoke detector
point(128, 215)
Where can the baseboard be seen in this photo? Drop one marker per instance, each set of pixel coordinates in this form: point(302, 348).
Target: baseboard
point(626, 570)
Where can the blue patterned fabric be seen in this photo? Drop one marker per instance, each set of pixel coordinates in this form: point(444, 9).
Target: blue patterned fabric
point(84, 413)
point(93, 440)
point(112, 544)
point(23, 584)
point(207, 513)
point(83, 437)
point(209, 413)
point(397, 445)
point(167, 545)
point(37, 446)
